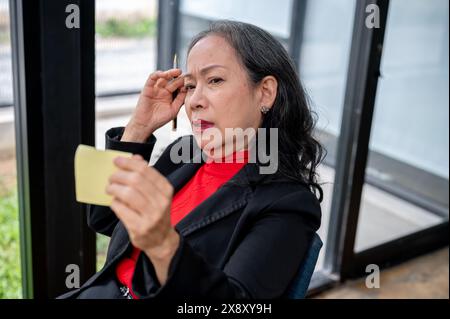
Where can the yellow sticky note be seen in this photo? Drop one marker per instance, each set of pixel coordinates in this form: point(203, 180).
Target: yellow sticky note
point(92, 170)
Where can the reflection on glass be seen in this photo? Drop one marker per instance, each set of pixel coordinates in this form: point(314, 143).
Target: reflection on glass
point(324, 60)
point(323, 65)
point(407, 174)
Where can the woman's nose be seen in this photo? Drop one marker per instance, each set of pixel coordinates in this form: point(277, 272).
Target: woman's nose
point(197, 98)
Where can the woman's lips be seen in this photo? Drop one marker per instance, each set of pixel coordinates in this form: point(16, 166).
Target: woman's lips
point(201, 125)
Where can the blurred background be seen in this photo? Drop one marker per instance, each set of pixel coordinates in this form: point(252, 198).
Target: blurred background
point(392, 211)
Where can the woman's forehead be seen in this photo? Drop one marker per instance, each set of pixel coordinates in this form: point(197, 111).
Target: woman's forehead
point(205, 69)
point(211, 50)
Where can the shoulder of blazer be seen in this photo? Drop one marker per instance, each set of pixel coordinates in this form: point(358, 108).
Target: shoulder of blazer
point(165, 165)
point(286, 197)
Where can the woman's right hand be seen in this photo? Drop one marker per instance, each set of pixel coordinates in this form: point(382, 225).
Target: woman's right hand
point(156, 105)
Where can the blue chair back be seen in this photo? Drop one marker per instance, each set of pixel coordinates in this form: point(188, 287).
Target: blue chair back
point(300, 284)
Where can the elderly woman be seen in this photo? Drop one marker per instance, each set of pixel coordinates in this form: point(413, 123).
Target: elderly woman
point(212, 228)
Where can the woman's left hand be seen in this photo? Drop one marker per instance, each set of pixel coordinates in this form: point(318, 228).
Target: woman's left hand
point(141, 200)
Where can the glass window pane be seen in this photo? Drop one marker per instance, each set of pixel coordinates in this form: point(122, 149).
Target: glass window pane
point(323, 66)
point(195, 15)
point(324, 59)
point(125, 44)
point(406, 185)
point(10, 268)
point(6, 91)
point(125, 47)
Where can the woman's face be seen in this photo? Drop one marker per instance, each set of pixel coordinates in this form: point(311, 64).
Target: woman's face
point(219, 94)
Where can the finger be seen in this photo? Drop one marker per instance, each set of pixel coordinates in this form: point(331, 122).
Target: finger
point(153, 78)
point(169, 74)
point(148, 172)
point(175, 84)
point(132, 179)
point(137, 157)
point(172, 73)
point(161, 83)
point(129, 217)
point(131, 164)
point(129, 196)
point(160, 181)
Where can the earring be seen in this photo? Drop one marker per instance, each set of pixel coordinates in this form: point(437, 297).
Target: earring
point(264, 109)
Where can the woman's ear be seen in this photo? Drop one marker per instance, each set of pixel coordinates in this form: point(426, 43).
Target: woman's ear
point(268, 88)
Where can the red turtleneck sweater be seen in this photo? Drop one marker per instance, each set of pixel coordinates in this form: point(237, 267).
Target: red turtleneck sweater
point(203, 184)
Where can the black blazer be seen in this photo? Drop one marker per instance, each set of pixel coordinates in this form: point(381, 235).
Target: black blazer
point(244, 241)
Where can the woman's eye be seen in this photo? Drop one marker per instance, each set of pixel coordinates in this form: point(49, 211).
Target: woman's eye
point(212, 81)
point(215, 80)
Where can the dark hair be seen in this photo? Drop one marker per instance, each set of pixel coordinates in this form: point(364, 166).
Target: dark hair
point(262, 55)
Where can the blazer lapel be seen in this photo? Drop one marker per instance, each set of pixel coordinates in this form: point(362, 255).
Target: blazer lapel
point(227, 199)
point(179, 177)
point(182, 175)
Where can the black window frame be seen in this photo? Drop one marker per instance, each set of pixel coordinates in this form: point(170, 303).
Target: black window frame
point(54, 105)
